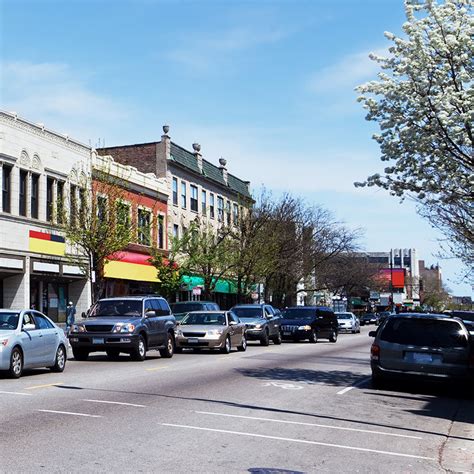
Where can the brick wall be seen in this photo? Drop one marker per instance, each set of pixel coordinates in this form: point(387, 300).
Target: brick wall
point(142, 157)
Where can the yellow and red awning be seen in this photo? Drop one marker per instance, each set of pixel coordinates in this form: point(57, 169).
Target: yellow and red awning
point(130, 266)
point(44, 242)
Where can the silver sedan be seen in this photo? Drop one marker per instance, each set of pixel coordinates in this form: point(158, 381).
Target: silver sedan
point(29, 339)
point(212, 330)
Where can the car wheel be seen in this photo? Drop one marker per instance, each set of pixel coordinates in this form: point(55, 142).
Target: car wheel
point(113, 354)
point(168, 351)
point(60, 361)
point(80, 354)
point(277, 339)
point(265, 339)
point(243, 346)
point(16, 363)
point(227, 346)
point(333, 337)
point(353, 331)
point(139, 353)
point(313, 337)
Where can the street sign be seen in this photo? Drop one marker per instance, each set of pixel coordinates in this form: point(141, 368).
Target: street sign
point(197, 291)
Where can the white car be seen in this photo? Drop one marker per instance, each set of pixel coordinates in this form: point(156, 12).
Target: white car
point(348, 322)
point(29, 339)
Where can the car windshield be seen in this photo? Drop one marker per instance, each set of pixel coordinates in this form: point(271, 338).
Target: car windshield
point(298, 313)
point(423, 332)
point(8, 321)
point(116, 308)
point(186, 307)
point(215, 319)
point(248, 312)
point(344, 316)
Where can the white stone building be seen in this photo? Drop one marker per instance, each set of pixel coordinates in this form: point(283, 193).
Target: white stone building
point(39, 170)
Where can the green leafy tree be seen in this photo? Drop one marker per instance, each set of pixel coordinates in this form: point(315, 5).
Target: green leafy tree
point(169, 273)
point(423, 102)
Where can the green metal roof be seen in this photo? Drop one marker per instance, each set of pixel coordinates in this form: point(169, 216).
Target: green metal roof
point(187, 159)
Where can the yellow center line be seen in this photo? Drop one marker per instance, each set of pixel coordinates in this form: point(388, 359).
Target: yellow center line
point(157, 368)
point(44, 386)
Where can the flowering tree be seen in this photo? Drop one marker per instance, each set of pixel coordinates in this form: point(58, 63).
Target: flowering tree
point(423, 102)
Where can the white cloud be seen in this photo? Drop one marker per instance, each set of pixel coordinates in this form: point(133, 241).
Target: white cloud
point(52, 94)
point(347, 73)
point(202, 51)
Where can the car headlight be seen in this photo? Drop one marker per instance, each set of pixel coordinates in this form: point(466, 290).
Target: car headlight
point(215, 332)
point(258, 326)
point(78, 328)
point(124, 328)
point(304, 328)
point(178, 332)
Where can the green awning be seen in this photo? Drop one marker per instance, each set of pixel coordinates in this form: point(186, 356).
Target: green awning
point(222, 285)
point(358, 302)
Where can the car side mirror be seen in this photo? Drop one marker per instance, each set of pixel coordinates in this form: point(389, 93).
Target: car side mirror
point(83, 315)
point(28, 327)
point(372, 333)
point(232, 323)
point(151, 313)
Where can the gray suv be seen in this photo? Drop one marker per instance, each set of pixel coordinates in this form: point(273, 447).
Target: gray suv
point(132, 324)
point(430, 346)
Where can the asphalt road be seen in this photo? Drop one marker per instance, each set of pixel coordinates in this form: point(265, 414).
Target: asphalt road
point(297, 407)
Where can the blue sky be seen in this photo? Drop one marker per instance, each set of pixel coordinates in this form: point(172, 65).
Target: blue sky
point(266, 84)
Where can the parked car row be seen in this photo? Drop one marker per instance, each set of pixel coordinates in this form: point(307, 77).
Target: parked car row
point(136, 324)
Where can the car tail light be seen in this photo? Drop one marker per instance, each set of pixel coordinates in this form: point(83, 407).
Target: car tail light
point(375, 352)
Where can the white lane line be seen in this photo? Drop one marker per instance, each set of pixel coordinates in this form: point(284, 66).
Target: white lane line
point(309, 424)
point(345, 390)
point(304, 441)
point(70, 413)
point(15, 393)
point(115, 403)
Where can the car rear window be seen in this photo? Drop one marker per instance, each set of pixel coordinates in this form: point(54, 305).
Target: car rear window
point(298, 313)
point(423, 332)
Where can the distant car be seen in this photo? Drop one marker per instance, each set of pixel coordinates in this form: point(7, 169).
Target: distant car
point(211, 330)
point(30, 339)
point(130, 324)
point(348, 322)
point(262, 321)
point(309, 322)
point(369, 318)
point(416, 346)
point(181, 308)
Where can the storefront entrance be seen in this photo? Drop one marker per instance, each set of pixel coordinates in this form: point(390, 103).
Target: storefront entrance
point(49, 297)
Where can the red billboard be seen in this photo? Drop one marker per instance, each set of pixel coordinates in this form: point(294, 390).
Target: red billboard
point(397, 275)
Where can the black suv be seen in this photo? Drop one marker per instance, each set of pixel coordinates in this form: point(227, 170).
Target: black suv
point(182, 308)
point(309, 322)
point(132, 324)
point(262, 321)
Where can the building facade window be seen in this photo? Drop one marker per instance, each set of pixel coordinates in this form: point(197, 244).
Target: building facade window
point(49, 199)
point(183, 194)
point(123, 214)
point(161, 232)
point(22, 192)
point(72, 203)
point(194, 198)
point(236, 214)
point(60, 202)
point(34, 204)
point(228, 213)
point(175, 191)
point(220, 209)
point(6, 188)
point(212, 206)
point(144, 228)
point(176, 231)
point(101, 208)
point(203, 202)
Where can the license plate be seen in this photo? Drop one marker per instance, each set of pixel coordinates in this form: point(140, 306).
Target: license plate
point(422, 357)
point(286, 333)
point(193, 340)
point(97, 340)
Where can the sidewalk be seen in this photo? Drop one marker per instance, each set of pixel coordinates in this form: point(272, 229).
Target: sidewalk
point(457, 454)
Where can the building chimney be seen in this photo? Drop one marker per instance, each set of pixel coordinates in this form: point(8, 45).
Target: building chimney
point(197, 154)
point(163, 153)
point(223, 163)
